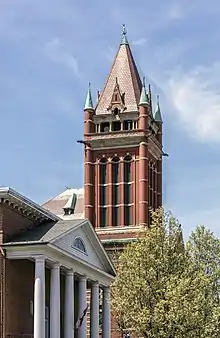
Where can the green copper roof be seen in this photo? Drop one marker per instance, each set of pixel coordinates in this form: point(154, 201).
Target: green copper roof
point(71, 203)
point(89, 104)
point(157, 115)
point(124, 40)
point(144, 97)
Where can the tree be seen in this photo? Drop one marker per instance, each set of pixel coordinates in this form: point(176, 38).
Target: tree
point(204, 249)
point(158, 292)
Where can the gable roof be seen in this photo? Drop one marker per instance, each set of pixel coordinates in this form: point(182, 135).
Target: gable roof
point(125, 71)
point(45, 233)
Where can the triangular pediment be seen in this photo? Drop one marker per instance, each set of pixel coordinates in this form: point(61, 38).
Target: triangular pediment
point(82, 242)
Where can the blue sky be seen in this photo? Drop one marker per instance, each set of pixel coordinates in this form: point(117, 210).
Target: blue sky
point(50, 50)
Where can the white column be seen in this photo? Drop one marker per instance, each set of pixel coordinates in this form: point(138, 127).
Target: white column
point(55, 302)
point(106, 315)
point(94, 317)
point(82, 307)
point(69, 306)
point(39, 298)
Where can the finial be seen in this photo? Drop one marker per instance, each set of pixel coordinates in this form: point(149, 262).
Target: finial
point(89, 104)
point(124, 32)
point(158, 99)
point(143, 99)
point(149, 93)
point(157, 115)
point(124, 40)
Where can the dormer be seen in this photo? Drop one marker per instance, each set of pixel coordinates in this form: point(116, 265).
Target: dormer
point(69, 207)
point(117, 101)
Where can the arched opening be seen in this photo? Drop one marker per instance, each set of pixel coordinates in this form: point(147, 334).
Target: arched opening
point(104, 127)
point(116, 111)
point(127, 190)
point(103, 191)
point(127, 125)
point(79, 244)
point(115, 190)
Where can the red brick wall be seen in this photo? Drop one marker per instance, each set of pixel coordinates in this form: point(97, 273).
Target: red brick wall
point(19, 294)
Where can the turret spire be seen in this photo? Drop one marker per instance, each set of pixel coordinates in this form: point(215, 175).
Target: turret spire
point(157, 115)
point(89, 104)
point(143, 98)
point(124, 40)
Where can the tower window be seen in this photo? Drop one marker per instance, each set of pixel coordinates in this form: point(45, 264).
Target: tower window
point(127, 169)
point(127, 190)
point(104, 128)
point(103, 171)
point(103, 217)
point(116, 126)
point(116, 111)
point(115, 170)
point(127, 125)
point(116, 98)
point(103, 192)
point(115, 190)
point(128, 217)
point(115, 216)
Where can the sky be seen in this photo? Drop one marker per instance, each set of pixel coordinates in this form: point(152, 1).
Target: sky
point(51, 49)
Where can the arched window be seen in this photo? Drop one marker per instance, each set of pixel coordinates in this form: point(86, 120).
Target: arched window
point(127, 190)
point(79, 244)
point(115, 190)
point(150, 185)
point(103, 191)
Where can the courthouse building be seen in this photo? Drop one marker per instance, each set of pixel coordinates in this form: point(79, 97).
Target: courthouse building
point(47, 266)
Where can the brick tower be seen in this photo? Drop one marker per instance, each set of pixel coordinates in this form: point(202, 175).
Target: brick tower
point(123, 153)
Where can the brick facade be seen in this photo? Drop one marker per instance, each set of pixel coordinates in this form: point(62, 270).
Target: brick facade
point(117, 129)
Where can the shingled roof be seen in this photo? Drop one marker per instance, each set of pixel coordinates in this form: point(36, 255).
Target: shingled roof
point(124, 71)
point(45, 233)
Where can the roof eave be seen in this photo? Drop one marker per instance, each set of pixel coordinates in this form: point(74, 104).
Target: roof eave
point(10, 244)
point(7, 193)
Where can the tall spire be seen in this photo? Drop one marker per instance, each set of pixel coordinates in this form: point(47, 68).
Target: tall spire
point(128, 79)
point(143, 98)
point(89, 104)
point(124, 40)
point(157, 115)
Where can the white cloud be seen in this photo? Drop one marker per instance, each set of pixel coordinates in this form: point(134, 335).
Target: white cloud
point(57, 52)
point(139, 42)
point(195, 96)
point(175, 11)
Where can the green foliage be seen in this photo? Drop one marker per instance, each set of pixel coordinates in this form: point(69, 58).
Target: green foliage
point(161, 290)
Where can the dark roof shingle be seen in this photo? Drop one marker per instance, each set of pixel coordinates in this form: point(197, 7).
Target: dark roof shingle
point(45, 233)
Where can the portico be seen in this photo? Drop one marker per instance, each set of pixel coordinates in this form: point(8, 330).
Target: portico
point(49, 269)
point(70, 327)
